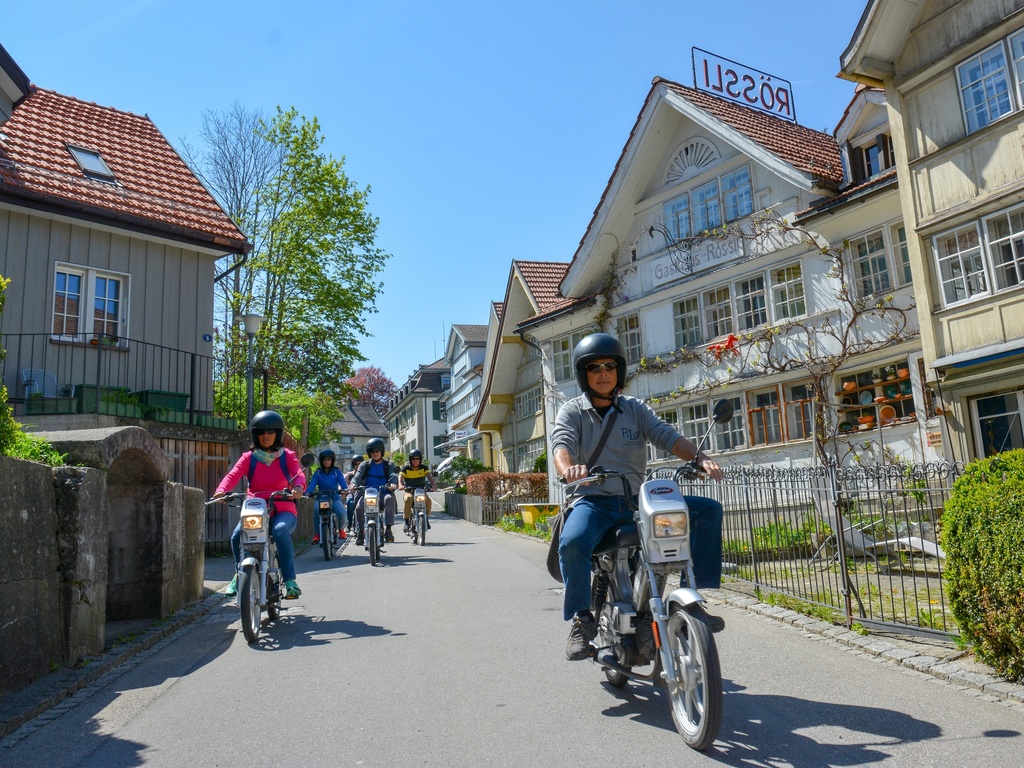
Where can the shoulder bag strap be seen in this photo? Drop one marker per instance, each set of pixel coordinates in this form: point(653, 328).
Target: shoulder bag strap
point(604, 437)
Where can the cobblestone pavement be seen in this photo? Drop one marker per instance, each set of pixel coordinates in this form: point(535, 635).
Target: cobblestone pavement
point(50, 696)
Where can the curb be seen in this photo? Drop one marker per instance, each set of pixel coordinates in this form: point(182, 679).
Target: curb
point(957, 667)
point(20, 707)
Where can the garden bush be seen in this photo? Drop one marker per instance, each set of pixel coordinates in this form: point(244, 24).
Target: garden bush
point(982, 531)
point(526, 485)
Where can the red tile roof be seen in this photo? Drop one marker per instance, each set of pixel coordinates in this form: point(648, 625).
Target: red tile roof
point(154, 189)
point(803, 148)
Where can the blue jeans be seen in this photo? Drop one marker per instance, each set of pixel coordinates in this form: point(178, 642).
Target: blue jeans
point(593, 516)
point(339, 514)
point(281, 526)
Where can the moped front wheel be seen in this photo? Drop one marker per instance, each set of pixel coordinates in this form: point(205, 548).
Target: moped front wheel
point(421, 522)
point(696, 692)
point(249, 602)
point(326, 542)
point(374, 541)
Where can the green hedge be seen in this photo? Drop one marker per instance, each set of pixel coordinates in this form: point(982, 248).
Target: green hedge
point(983, 535)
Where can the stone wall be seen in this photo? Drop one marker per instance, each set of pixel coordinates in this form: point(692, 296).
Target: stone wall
point(80, 545)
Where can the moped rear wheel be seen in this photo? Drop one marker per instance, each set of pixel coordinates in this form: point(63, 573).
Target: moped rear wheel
point(325, 540)
point(696, 693)
point(249, 602)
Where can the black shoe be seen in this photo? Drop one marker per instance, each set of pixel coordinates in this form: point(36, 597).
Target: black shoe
point(360, 542)
point(388, 535)
point(584, 629)
point(715, 623)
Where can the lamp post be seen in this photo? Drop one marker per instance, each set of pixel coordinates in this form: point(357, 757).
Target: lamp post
point(252, 325)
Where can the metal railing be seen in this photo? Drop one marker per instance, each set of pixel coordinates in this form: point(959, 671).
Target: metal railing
point(124, 377)
point(862, 541)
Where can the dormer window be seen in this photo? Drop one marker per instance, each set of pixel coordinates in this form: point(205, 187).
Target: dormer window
point(92, 164)
point(871, 157)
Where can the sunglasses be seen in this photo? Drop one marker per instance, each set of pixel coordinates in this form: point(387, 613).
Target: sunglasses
point(610, 365)
point(415, 458)
point(264, 431)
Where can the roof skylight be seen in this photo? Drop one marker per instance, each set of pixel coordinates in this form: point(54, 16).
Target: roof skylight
point(92, 163)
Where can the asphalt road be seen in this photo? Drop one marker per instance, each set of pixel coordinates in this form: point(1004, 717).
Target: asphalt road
point(452, 655)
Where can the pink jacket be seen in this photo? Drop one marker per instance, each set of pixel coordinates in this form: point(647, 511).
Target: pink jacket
point(266, 479)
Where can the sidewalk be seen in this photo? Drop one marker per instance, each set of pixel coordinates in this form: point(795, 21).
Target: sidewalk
point(125, 640)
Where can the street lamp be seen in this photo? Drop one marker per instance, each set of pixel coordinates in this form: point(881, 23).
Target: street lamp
point(252, 325)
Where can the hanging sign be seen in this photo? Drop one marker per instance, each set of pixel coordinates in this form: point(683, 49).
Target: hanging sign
point(743, 85)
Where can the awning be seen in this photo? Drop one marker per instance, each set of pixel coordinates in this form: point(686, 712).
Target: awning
point(980, 355)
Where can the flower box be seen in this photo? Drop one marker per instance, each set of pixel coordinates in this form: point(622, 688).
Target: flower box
point(42, 405)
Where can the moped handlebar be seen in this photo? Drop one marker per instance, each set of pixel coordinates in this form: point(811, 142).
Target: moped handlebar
point(598, 475)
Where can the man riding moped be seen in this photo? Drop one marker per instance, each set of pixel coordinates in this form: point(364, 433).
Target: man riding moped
point(600, 364)
point(375, 472)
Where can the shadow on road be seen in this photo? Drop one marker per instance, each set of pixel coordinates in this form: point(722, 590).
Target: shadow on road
point(302, 630)
point(772, 730)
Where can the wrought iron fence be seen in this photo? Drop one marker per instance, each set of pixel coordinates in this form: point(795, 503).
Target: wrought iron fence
point(861, 541)
point(121, 377)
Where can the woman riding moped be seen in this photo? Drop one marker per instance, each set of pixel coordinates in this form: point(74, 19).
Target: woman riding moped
point(269, 467)
point(328, 479)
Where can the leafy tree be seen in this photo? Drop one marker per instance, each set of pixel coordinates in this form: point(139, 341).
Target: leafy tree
point(314, 268)
point(374, 387)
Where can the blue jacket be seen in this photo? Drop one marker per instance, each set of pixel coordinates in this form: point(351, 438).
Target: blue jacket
point(333, 482)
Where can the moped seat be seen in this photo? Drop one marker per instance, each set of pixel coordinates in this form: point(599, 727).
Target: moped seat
point(624, 535)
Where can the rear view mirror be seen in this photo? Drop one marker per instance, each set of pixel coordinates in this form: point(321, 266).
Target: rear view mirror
point(308, 459)
point(723, 411)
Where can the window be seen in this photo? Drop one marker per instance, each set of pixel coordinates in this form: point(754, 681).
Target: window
point(799, 411)
point(677, 217)
point(707, 209)
point(765, 416)
point(695, 421)
point(998, 423)
point(730, 434)
point(562, 355)
point(669, 417)
point(1017, 54)
point(870, 269)
point(788, 292)
point(686, 319)
point(961, 268)
point(899, 245)
point(984, 87)
point(446, 382)
point(628, 330)
point(76, 288)
point(739, 200)
point(528, 403)
point(526, 454)
point(718, 312)
point(750, 303)
point(92, 164)
point(869, 158)
point(1006, 246)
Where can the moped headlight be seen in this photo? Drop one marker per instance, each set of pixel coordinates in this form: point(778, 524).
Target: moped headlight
point(325, 504)
point(670, 524)
point(252, 522)
point(371, 501)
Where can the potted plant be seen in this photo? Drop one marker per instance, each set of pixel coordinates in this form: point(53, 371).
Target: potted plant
point(890, 372)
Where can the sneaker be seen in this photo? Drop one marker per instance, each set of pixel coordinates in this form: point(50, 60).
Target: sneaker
point(316, 539)
point(232, 588)
point(342, 534)
point(584, 629)
point(715, 623)
point(293, 590)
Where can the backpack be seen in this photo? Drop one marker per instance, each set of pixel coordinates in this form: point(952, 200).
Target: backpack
point(284, 466)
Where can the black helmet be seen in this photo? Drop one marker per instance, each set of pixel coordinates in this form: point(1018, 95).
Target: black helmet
point(598, 346)
point(356, 461)
point(416, 454)
point(267, 420)
point(327, 454)
point(374, 444)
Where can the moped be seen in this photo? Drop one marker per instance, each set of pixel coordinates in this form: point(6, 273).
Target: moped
point(419, 516)
point(373, 513)
point(260, 586)
point(638, 626)
point(328, 527)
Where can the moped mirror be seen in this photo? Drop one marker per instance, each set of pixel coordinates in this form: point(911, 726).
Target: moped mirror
point(723, 411)
point(308, 459)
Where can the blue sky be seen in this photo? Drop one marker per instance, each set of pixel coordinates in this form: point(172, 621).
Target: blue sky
point(486, 131)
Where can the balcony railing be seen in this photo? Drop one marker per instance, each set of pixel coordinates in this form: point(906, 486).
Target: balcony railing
point(120, 377)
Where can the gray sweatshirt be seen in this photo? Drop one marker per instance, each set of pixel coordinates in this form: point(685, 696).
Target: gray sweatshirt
point(578, 429)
